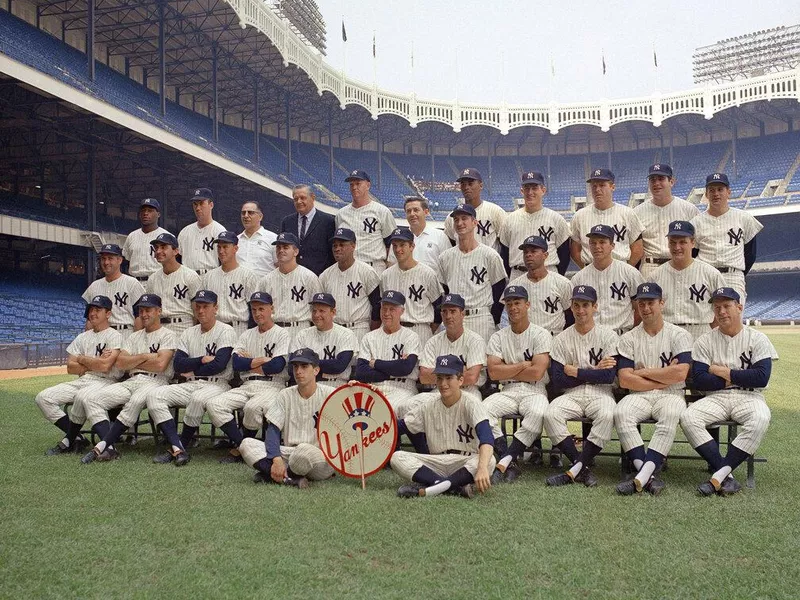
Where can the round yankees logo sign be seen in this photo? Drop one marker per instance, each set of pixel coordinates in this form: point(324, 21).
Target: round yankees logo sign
point(357, 430)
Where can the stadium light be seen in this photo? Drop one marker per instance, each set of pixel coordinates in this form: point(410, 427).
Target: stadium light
point(305, 19)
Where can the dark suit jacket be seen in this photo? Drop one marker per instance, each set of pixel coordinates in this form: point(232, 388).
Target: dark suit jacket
point(315, 248)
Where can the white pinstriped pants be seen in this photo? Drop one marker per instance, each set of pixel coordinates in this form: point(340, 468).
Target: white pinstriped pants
point(582, 401)
point(406, 464)
point(527, 402)
point(664, 407)
point(482, 324)
point(132, 393)
point(192, 395)
point(50, 400)
point(305, 460)
point(221, 408)
point(748, 408)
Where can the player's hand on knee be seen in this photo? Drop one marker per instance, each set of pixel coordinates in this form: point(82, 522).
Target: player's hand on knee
point(278, 470)
point(482, 481)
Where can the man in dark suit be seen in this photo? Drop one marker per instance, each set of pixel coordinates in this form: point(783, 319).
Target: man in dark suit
point(313, 228)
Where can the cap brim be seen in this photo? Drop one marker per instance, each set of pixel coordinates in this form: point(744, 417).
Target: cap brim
point(203, 300)
point(602, 235)
point(523, 246)
point(646, 297)
point(680, 234)
point(599, 179)
point(395, 302)
point(659, 173)
point(461, 212)
point(302, 360)
point(514, 297)
point(583, 297)
point(467, 178)
point(349, 179)
point(723, 297)
point(446, 371)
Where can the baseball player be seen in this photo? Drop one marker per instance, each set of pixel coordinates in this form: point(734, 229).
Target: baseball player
point(687, 283)
point(489, 216)
point(355, 283)
point(534, 217)
point(732, 365)
point(517, 356)
point(371, 221)
point(137, 249)
point(292, 419)
point(196, 240)
point(203, 358)
point(613, 279)
point(621, 219)
point(476, 272)
point(91, 357)
point(652, 364)
point(725, 236)
point(457, 436)
point(582, 363)
point(123, 290)
point(232, 283)
point(255, 243)
point(336, 345)
point(420, 284)
point(455, 339)
point(147, 357)
point(388, 355)
point(174, 283)
point(429, 240)
point(290, 285)
point(656, 213)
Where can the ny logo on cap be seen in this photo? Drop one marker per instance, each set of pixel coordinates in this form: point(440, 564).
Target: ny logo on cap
point(144, 298)
point(720, 291)
point(597, 172)
point(397, 232)
point(448, 298)
point(512, 290)
point(339, 232)
point(466, 172)
point(678, 225)
point(646, 288)
point(96, 299)
point(390, 294)
point(320, 296)
point(530, 175)
point(581, 289)
point(598, 228)
point(656, 167)
point(201, 294)
point(716, 176)
point(107, 247)
point(299, 353)
point(443, 362)
point(354, 173)
point(197, 192)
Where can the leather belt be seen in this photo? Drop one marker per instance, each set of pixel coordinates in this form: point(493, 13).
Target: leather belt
point(258, 378)
point(743, 389)
point(203, 378)
point(147, 373)
point(459, 452)
point(292, 323)
point(201, 271)
point(353, 324)
point(399, 379)
point(727, 270)
point(145, 278)
point(476, 311)
point(656, 261)
point(519, 268)
point(121, 327)
point(409, 324)
point(172, 319)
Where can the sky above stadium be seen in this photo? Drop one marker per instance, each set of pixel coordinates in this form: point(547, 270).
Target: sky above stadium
point(534, 52)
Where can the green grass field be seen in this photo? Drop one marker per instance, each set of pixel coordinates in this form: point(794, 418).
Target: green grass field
point(135, 529)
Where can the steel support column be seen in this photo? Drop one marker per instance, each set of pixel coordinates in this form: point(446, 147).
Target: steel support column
point(214, 90)
point(91, 212)
point(380, 153)
point(162, 58)
point(735, 134)
point(288, 136)
point(330, 145)
point(90, 22)
point(256, 124)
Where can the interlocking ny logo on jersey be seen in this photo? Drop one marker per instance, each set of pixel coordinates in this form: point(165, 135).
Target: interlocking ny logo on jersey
point(620, 232)
point(329, 352)
point(208, 244)
point(397, 351)
point(478, 277)
point(354, 289)
point(619, 291)
point(180, 291)
point(551, 305)
point(484, 227)
point(547, 234)
point(235, 291)
point(298, 295)
point(211, 349)
point(527, 355)
point(465, 434)
point(155, 348)
point(99, 349)
point(121, 299)
point(268, 350)
point(746, 360)
point(666, 359)
point(595, 356)
point(152, 250)
point(735, 237)
point(415, 292)
point(370, 225)
point(697, 295)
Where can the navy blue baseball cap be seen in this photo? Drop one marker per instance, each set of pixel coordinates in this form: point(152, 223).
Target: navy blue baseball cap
point(680, 228)
point(584, 292)
point(515, 291)
point(323, 298)
point(304, 356)
point(348, 235)
point(402, 234)
point(717, 178)
point(165, 238)
point(262, 297)
point(602, 230)
point(534, 241)
point(205, 297)
point(601, 175)
point(203, 194)
point(151, 202)
point(660, 169)
point(393, 297)
point(99, 302)
point(464, 209)
point(727, 293)
point(449, 364)
point(454, 300)
point(110, 249)
point(470, 173)
point(227, 237)
point(648, 291)
point(532, 177)
point(151, 300)
point(357, 175)
point(286, 237)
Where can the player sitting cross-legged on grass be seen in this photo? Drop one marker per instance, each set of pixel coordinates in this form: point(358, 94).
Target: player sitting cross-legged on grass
point(457, 440)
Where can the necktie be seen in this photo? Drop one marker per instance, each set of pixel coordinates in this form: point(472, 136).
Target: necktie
point(303, 227)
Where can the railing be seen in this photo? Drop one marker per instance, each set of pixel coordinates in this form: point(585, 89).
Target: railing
point(27, 356)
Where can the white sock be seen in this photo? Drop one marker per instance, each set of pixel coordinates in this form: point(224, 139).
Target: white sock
point(438, 488)
point(637, 463)
point(101, 445)
point(65, 443)
point(175, 449)
point(644, 475)
point(718, 477)
point(576, 468)
point(504, 462)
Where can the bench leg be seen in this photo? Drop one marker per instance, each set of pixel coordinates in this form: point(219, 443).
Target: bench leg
point(751, 473)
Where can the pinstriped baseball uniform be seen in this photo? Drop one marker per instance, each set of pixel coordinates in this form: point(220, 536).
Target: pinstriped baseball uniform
point(421, 287)
point(451, 434)
point(296, 417)
point(746, 407)
point(176, 291)
point(197, 246)
point(549, 298)
point(379, 345)
point(615, 285)
point(372, 223)
point(328, 344)
point(469, 347)
point(519, 397)
point(491, 219)
point(655, 222)
point(665, 405)
point(427, 246)
point(544, 222)
point(622, 219)
point(139, 253)
point(291, 293)
point(123, 291)
point(351, 288)
point(233, 289)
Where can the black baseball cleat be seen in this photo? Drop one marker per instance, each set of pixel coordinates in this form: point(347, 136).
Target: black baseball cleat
point(260, 477)
point(655, 486)
point(706, 489)
point(230, 459)
point(164, 458)
point(109, 454)
point(181, 458)
point(60, 448)
point(556, 461)
point(497, 477)
point(298, 482)
point(627, 488)
point(466, 491)
point(410, 490)
point(90, 456)
point(729, 486)
point(536, 458)
point(560, 479)
point(513, 472)
point(586, 477)
point(224, 444)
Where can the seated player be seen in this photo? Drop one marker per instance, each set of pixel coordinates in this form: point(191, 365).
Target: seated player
point(458, 437)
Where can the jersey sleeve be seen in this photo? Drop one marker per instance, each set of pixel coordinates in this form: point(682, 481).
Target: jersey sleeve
point(193, 282)
point(87, 294)
point(276, 412)
point(449, 229)
point(413, 344)
point(126, 248)
point(559, 351)
point(762, 347)
point(75, 347)
point(625, 346)
point(751, 226)
point(183, 342)
point(476, 352)
point(476, 410)
point(428, 357)
point(241, 343)
point(575, 228)
point(169, 341)
point(365, 349)
point(150, 285)
point(497, 271)
point(135, 289)
point(564, 292)
point(634, 226)
point(281, 343)
point(388, 224)
point(610, 342)
point(314, 286)
point(129, 344)
point(635, 279)
point(432, 285)
point(561, 230)
point(542, 341)
point(682, 341)
point(415, 418)
point(504, 234)
point(228, 337)
point(701, 351)
point(371, 280)
point(495, 345)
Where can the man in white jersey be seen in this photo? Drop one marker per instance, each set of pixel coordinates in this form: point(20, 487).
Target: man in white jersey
point(582, 364)
point(203, 359)
point(457, 439)
point(255, 242)
point(290, 285)
point(656, 213)
point(356, 284)
point(197, 239)
point(388, 355)
point(371, 221)
point(614, 280)
point(732, 364)
point(418, 282)
point(291, 455)
point(652, 364)
point(455, 339)
point(137, 249)
point(535, 219)
point(604, 211)
point(488, 215)
point(232, 283)
point(174, 283)
point(91, 357)
point(726, 236)
point(123, 290)
point(518, 357)
point(474, 271)
point(147, 357)
point(429, 240)
point(687, 283)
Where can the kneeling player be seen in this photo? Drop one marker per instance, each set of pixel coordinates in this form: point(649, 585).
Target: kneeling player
point(458, 436)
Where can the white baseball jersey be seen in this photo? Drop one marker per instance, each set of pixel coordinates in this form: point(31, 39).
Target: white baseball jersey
point(491, 219)
point(513, 348)
point(372, 223)
point(655, 222)
point(585, 351)
point(614, 285)
point(233, 289)
point(142, 342)
point(272, 343)
point(420, 285)
point(448, 428)
point(544, 222)
point(197, 246)
point(291, 293)
point(257, 252)
point(741, 351)
point(176, 291)
point(622, 219)
point(123, 292)
point(656, 351)
point(351, 289)
point(549, 298)
point(720, 240)
point(379, 345)
point(296, 416)
point(195, 343)
point(140, 254)
point(94, 343)
point(328, 344)
point(469, 347)
point(686, 293)
point(472, 274)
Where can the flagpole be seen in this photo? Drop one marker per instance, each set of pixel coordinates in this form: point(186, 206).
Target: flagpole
point(551, 80)
point(605, 81)
point(655, 69)
point(344, 43)
point(374, 62)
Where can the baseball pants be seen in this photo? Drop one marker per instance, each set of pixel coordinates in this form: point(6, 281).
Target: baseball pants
point(735, 279)
point(592, 404)
point(360, 329)
point(518, 400)
point(399, 398)
point(482, 324)
point(406, 464)
point(124, 332)
point(192, 395)
point(221, 408)
point(179, 328)
point(647, 270)
point(748, 408)
point(665, 408)
point(423, 330)
point(50, 400)
point(696, 329)
point(305, 460)
point(131, 393)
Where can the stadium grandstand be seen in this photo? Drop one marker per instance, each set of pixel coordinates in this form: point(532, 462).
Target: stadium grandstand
point(105, 103)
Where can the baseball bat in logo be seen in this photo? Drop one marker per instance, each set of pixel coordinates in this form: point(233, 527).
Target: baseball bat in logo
point(357, 430)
